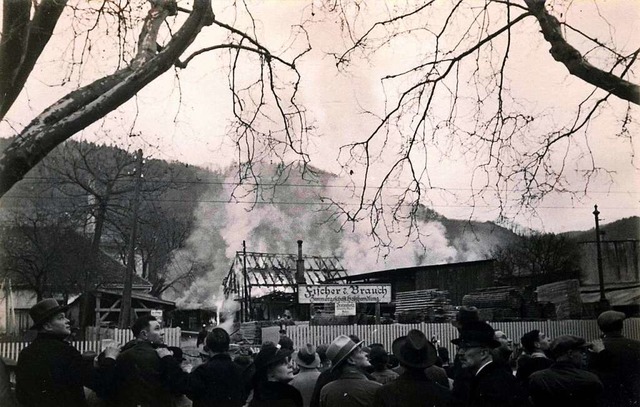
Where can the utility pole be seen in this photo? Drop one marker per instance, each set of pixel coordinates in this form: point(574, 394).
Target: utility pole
point(604, 304)
point(125, 306)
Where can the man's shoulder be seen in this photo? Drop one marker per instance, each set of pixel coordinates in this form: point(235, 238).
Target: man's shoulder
point(48, 345)
point(621, 342)
point(138, 350)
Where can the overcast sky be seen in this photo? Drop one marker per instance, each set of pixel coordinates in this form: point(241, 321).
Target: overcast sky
point(189, 123)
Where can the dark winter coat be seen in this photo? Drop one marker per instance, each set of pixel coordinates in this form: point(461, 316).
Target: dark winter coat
point(563, 384)
point(218, 382)
point(412, 388)
point(351, 389)
point(325, 378)
point(494, 386)
point(51, 372)
point(142, 379)
point(618, 367)
point(275, 394)
point(528, 365)
point(7, 398)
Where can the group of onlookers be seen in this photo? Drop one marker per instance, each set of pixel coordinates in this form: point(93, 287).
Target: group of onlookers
point(565, 370)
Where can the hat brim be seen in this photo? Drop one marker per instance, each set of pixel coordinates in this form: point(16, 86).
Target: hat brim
point(345, 356)
point(45, 317)
point(431, 359)
point(280, 355)
point(312, 365)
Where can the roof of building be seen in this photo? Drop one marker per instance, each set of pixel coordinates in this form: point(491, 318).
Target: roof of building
point(617, 294)
point(110, 271)
point(278, 270)
point(381, 274)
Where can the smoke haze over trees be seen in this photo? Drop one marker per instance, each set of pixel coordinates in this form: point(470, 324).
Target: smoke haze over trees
point(455, 87)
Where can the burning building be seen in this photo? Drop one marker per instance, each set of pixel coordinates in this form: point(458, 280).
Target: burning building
point(265, 284)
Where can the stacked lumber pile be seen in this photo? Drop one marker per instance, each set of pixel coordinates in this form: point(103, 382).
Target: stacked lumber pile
point(430, 302)
point(496, 303)
point(249, 332)
point(564, 295)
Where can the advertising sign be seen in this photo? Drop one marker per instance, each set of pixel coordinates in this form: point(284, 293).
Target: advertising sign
point(157, 313)
point(371, 293)
point(345, 308)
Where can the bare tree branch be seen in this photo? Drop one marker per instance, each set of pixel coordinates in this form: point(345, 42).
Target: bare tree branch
point(84, 106)
point(577, 65)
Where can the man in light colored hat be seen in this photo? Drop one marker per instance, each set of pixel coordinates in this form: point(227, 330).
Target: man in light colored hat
point(305, 381)
point(566, 382)
point(51, 372)
point(413, 387)
point(618, 363)
point(351, 388)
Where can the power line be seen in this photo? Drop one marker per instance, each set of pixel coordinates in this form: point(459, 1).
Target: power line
point(47, 180)
point(302, 203)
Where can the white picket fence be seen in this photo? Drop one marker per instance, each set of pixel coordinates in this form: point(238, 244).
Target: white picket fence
point(444, 332)
point(171, 336)
point(11, 350)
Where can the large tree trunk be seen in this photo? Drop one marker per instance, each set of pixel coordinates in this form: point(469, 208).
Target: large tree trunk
point(22, 43)
point(88, 104)
point(577, 65)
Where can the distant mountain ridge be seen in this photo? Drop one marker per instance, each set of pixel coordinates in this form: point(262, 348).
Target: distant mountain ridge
point(621, 229)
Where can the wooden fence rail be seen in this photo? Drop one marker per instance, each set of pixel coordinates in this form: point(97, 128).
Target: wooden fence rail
point(171, 336)
point(11, 350)
point(444, 332)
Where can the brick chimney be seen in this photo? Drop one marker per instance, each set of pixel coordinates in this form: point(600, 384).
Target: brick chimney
point(300, 266)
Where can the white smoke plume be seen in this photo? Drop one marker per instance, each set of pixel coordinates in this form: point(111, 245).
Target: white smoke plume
point(293, 211)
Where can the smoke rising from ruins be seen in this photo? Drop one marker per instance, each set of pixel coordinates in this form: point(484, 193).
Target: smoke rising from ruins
point(292, 211)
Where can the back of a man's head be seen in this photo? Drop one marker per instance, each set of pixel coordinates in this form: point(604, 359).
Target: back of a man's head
point(218, 340)
point(141, 323)
point(529, 340)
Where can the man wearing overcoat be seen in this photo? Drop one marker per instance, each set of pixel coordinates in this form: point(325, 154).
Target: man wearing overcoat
point(51, 372)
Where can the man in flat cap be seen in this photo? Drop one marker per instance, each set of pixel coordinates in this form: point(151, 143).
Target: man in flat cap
point(618, 364)
point(51, 372)
point(566, 382)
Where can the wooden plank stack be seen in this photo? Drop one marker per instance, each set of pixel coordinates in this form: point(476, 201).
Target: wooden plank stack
point(428, 302)
point(565, 295)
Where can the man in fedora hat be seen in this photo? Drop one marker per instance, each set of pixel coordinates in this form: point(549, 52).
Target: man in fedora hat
point(413, 388)
point(488, 384)
point(51, 372)
point(305, 381)
point(330, 374)
point(618, 362)
point(351, 388)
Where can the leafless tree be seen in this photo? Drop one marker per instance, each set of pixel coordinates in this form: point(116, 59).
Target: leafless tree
point(454, 94)
point(41, 252)
point(100, 181)
point(539, 258)
point(28, 25)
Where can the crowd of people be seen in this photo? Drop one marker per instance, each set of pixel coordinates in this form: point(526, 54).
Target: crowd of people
point(485, 371)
